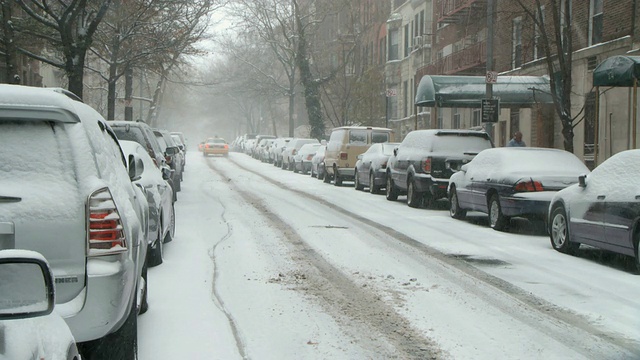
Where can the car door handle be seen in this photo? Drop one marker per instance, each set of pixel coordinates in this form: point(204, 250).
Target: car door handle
point(601, 197)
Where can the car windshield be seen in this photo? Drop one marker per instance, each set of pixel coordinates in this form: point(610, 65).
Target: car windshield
point(444, 143)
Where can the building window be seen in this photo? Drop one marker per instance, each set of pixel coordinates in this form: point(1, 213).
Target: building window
point(405, 94)
point(393, 44)
point(516, 40)
point(538, 47)
point(595, 22)
point(455, 118)
point(476, 118)
point(407, 44)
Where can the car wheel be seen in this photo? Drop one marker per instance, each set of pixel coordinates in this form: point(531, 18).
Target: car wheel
point(357, 183)
point(637, 244)
point(155, 255)
point(144, 304)
point(454, 207)
point(337, 181)
point(121, 344)
point(559, 232)
point(497, 220)
point(295, 168)
point(373, 188)
point(312, 173)
point(326, 178)
point(391, 192)
point(177, 183)
point(172, 227)
point(414, 197)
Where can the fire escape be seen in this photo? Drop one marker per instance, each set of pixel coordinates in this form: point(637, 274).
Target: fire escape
point(471, 58)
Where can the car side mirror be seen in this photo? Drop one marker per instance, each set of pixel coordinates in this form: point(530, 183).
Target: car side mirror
point(360, 157)
point(27, 285)
point(582, 181)
point(135, 167)
point(464, 167)
point(171, 150)
point(395, 152)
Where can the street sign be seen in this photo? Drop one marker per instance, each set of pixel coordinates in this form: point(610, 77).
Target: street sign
point(391, 92)
point(492, 77)
point(490, 110)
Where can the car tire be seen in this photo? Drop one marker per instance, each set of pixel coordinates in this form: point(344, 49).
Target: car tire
point(637, 247)
point(414, 197)
point(295, 168)
point(454, 206)
point(144, 304)
point(172, 227)
point(497, 220)
point(391, 192)
point(373, 188)
point(337, 181)
point(312, 173)
point(177, 183)
point(155, 255)
point(356, 181)
point(121, 344)
point(326, 178)
point(559, 232)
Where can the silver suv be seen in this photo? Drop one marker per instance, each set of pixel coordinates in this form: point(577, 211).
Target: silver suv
point(66, 193)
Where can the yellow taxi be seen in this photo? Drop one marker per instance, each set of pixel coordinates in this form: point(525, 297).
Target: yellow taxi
point(215, 146)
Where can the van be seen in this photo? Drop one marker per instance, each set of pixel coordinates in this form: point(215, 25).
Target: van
point(344, 146)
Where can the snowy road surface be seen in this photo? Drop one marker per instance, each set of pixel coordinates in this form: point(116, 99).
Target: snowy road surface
point(268, 264)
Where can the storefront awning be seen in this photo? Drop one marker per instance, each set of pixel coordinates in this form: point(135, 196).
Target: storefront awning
point(467, 91)
point(617, 70)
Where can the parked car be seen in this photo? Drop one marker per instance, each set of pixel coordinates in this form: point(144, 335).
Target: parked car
point(172, 155)
point(512, 182)
point(143, 134)
point(317, 163)
point(292, 148)
point(215, 146)
point(259, 144)
point(183, 139)
point(302, 159)
point(34, 331)
point(601, 210)
point(423, 162)
point(344, 146)
point(275, 153)
point(183, 148)
point(371, 167)
point(264, 152)
point(159, 195)
point(71, 199)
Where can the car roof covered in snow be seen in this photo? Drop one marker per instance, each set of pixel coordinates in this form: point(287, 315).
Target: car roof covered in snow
point(31, 103)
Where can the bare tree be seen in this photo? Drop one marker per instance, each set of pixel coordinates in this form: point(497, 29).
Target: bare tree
point(555, 40)
point(67, 27)
point(8, 47)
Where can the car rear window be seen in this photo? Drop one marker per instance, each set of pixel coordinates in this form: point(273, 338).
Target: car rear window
point(456, 143)
point(132, 134)
point(358, 137)
point(216, 141)
point(379, 137)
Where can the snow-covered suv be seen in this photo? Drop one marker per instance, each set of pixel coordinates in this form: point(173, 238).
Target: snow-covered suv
point(65, 192)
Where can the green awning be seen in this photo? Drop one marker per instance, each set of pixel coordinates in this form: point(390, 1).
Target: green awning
point(617, 70)
point(467, 91)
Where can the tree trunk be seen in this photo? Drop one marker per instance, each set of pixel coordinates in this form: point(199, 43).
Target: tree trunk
point(11, 58)
point(128, 93)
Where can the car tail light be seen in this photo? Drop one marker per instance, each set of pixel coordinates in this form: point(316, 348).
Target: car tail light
point(168, 159)
point(226, 146)
point(104, 226)
point(426, 165)
point(207, 146)
point(309, 157)
point(383, 165)
point(344, 156)
point(526, 186)
point(294, 151)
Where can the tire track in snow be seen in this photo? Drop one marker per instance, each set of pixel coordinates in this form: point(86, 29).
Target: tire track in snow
point(217, 299)
point(345, 300)
point(602, 342)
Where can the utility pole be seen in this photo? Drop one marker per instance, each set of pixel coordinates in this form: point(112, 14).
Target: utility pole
point(489, 91)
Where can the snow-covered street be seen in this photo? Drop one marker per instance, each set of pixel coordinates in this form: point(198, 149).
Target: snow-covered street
point(268, 264)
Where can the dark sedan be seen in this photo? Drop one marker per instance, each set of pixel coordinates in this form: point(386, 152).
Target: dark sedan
point(602, 210)
point(421, 166)
point(512, 182)
point(371, 167)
